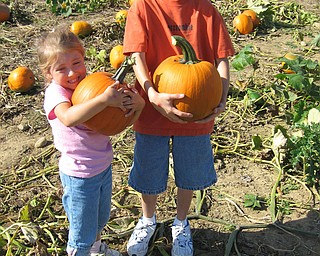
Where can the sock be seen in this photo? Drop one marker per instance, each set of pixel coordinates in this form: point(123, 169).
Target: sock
point(148, 220)
point(95, 248)
point(178, 222)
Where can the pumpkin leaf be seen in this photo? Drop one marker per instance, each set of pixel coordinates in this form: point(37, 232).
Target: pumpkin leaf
point(252, 201)
point(316, 41)
point(244, 58)
point(256, 142)
point(25, 213)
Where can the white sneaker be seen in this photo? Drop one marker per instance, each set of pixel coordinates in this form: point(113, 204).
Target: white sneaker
point(182, 241)
point(140, 237)
point(106, 251)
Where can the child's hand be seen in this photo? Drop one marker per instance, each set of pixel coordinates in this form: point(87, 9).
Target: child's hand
point(115, 97)
point(163, 102)
point(217, 111)
point(136, 103)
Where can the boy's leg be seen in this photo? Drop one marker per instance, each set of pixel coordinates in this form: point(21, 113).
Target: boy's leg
point(148, 203)
point(149, 175)
point(194, 170)
point(184, 198)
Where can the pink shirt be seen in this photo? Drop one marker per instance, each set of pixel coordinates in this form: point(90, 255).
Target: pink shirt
point(84, 153)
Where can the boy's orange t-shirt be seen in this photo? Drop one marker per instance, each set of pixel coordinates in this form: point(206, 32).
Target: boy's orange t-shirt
point(149, 27)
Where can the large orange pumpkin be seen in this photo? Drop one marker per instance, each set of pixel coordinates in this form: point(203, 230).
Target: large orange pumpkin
point(198, 80)
point(253, 15)
point(116, 56)
point(243, 24)
point(81, 28)
point(111, 120)
point(21, 79)
point(4, 12)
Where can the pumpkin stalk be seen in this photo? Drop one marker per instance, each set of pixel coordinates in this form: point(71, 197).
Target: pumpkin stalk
point(123, 70)
point(189, 55)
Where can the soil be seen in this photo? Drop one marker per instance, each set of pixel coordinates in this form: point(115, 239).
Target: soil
point(29, 183)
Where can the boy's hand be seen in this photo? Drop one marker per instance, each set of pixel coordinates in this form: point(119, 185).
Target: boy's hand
point(217, 111)
point(163, 102)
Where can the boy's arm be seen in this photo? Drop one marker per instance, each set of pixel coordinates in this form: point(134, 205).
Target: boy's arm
point(224, 71)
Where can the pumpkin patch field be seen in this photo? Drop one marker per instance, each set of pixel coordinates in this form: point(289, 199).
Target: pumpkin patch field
point(266, 143)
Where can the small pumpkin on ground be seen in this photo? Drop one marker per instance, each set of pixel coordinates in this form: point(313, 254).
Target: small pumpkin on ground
point(4, 12)
point(121, 17)
point(198, 80)
point(116, 56)
point(243, 24)
point(254, 17)
point(283, 66)
point(81, 28)
point(21, 79)
point(111, 120)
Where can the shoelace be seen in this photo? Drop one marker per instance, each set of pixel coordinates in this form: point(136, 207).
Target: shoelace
point(142, 232)
point(181, 236)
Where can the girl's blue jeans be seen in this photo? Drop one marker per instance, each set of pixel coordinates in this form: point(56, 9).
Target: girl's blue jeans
point(87, 203)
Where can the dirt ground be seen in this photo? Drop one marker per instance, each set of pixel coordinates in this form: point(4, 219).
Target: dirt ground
point(28, 160)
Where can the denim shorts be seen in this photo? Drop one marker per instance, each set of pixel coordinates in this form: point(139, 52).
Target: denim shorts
point(193, 163)
point(87, 203)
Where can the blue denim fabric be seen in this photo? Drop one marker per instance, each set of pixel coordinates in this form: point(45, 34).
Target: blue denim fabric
point(87, 203)
point(193, 163)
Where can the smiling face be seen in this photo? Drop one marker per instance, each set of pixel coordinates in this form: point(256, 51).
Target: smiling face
point(69, 69)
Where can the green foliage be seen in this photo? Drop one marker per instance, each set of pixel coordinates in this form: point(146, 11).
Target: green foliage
point(305, 156)
point(283, 207)
point(99, 58)
point(252, 201)
point(292, 13)
point(244, 58)
point(67, 7)
point(301, 84)
point(273, 13)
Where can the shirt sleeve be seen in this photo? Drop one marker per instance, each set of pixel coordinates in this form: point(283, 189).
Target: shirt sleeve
point(54, 95)
point(135, 37)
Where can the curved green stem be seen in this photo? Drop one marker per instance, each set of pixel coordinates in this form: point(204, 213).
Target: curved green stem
point(189, 55)
point(123, 70)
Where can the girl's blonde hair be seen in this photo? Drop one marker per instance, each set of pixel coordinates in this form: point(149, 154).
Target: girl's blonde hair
point(60, 40)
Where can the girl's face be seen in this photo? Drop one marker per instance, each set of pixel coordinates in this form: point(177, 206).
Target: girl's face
point(68, 70)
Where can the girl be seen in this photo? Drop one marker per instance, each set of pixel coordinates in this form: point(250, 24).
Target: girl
point(85, 162)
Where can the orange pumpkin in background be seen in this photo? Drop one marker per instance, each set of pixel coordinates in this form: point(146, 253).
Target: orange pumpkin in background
point(21, 79)
point(116, 56)
point(111, 120)
point(81, 28)
point(121, 17)
point(243, 24)
point(4, 12)
point(253, 15)
point(198, 80)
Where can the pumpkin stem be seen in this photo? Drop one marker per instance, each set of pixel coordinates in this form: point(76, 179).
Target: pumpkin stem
point(123, 70)
point(189, 55)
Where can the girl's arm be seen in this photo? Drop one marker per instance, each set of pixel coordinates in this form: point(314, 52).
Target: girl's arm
point(72, 115)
